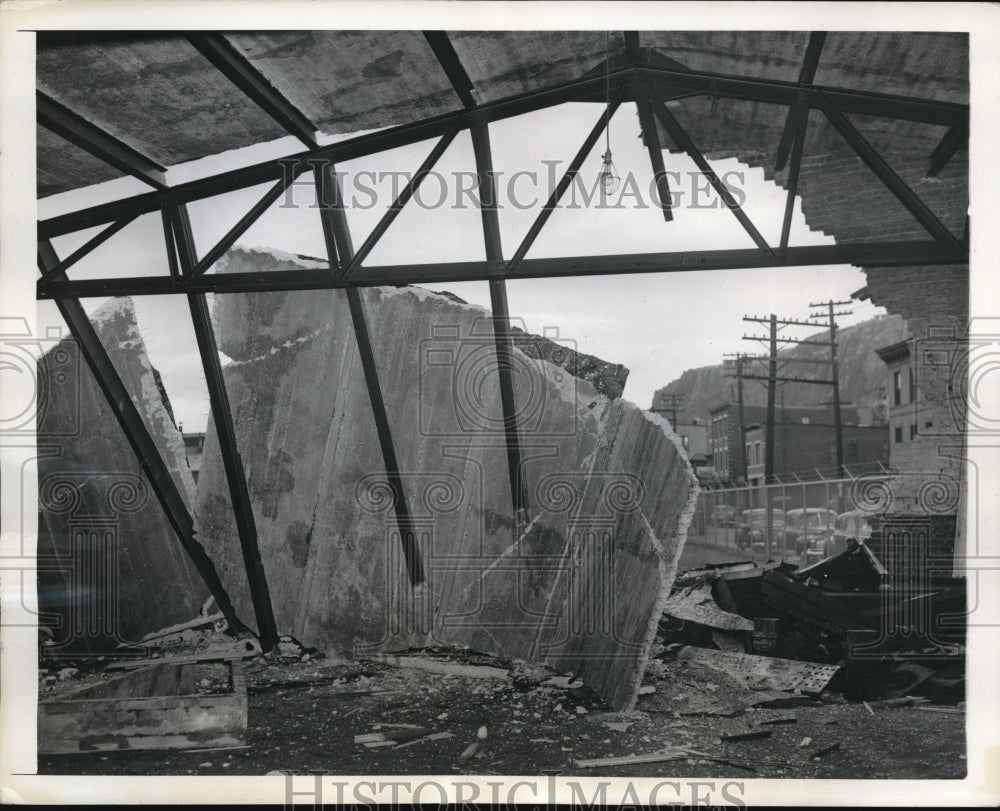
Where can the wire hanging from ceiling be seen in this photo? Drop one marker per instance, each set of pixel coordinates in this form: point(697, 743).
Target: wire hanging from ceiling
point(608, 178)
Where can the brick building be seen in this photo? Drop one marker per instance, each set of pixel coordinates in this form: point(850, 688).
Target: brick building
point(805, 448)
point(725, 439)
point(907, 412)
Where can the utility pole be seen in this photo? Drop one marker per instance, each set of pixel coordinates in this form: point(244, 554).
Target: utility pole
point(838, 428)
point(669, 404)
point(773, 378)
point(772, 389)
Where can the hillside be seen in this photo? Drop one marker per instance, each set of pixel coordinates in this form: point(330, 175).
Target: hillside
point(862, 373)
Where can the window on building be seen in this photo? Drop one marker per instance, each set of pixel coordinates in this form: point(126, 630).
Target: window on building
point(913, 431)
point(899, 434)
point(756, 453)
point(897, 391)
point(928, 424)
point(750, 454)
point(913, 391)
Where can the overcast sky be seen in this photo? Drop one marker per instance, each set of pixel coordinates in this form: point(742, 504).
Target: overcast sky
point(658, 325)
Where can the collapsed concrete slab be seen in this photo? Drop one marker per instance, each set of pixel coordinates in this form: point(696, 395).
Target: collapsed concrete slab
point(111, 569)
point(610, 490)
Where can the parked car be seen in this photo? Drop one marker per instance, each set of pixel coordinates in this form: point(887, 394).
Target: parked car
point(752, 529)
point(723, 515)
point(854, 524)
point(808, 530)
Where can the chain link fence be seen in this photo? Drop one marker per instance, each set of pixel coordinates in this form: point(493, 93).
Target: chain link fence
point(800, 521)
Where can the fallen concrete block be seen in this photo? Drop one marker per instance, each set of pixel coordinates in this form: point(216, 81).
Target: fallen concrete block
point(610, 490)
point(111, 569)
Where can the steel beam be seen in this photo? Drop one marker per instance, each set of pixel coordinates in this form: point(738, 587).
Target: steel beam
point(885, 173)
point(329, 198)
point(797, 121)
point(248, 219)
point(241, 72)
point(683, 141)
point(954, 139)
point(589, 88)
point(61, 267)
point(877, 254)
point(632, 46)
point(592, 89)
point(806, 74)
point(564, 182)
point(452, 65)
point(501, 324)
point(168, 236)
point(341, 251)
point(239, 493)
point(885, 105)
point(79, 131)
point(655, 149)
point(137, 434)
point(404, 197)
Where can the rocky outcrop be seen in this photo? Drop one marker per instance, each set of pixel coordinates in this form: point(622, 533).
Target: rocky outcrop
point(610, 490)
point(110, 567)
point(862, 373)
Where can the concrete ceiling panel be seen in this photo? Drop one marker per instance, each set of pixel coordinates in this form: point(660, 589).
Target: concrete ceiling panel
point(156, 93)
point(345, 81)
point(61, 166)
point(504, 63)
point(763, 54)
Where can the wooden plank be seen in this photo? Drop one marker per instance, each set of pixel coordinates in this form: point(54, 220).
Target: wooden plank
point(628, 760)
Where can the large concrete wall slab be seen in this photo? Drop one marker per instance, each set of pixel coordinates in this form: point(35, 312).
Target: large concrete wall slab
point(609, 487)
point(110, 567)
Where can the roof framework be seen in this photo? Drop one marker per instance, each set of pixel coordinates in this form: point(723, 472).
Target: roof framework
point(634, 74)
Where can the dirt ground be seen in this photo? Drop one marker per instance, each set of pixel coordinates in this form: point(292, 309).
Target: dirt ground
point(302, 718)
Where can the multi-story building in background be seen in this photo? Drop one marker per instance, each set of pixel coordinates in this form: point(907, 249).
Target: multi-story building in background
point(727, 440)
point(908, 415)
point(809, 449)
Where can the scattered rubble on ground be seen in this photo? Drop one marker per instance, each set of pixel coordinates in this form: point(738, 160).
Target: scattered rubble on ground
point(741, 708)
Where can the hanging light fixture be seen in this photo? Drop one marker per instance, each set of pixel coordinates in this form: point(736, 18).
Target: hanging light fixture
point(608, 178)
